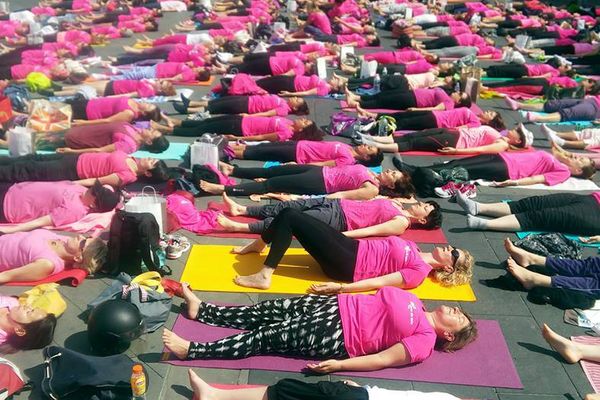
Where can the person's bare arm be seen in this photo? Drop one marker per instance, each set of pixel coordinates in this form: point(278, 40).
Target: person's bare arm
point(270, 113)
point(393, 227)
point(532, 180)
point(394, 279)
point(123, 116)
point(29, 225)
point(39, 269)
point(109, 148)
point(365, 192)
point(494, 148)
point(271, 137)
point(112, 180)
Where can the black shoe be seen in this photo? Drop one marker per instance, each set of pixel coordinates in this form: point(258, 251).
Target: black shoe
point(402, 166)
point(180, 107)
point(185, 101)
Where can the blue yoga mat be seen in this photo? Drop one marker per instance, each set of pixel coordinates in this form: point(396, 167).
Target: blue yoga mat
point(4, 152)
point(174, 152)
point(270, 164)
point(581, 124)
point(521, 235)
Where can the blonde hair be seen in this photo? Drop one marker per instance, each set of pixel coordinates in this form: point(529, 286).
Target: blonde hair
point(461, 338)
point(460, 275)
point(94, 255)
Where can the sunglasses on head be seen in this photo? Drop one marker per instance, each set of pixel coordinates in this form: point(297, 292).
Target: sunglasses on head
point(455, 255)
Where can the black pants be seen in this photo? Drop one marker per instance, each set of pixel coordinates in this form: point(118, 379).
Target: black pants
point(534, 33)
point(292, 389)
point(295, 46)
point(228, 105)
point(276, 151)
point(388, 82)
point(588, 69)
point(520, 82)
point(78, 105)
point(277, 83)
point(440, 43)
point(307, 326)
point(416, 120)
point(566, 50)
point(394, 99)
point(578, 214)
point(506, 71)
point(427, 140)
point(490, 167)
point(587, 60)
point(153, 52)
point(325, 210)
point(223, 124)
point(298, 179)
point(258, 66)
point(509, 24)
point(334, 251)
point(391, 68)
point(4, 186)
point(47, 167)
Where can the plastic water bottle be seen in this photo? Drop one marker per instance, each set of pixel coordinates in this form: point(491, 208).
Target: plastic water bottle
point(384, 71)
point(138, 383)
point(377, 83)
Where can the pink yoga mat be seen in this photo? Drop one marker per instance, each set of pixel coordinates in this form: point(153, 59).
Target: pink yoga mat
point(73, 276)
point(485, 362)
point(416, 235)
point(591, 369)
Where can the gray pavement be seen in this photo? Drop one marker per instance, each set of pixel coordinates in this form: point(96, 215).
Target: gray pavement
point(544, 376)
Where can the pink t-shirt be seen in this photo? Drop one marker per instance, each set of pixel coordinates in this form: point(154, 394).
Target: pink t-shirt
point(420, 81)
point(455, 118)
point(74, 36)
point(470, 39)
point(104, 107)
point(20, 71)
point(22, 248)
point(27, 201)
point(346, 177)
point(171, 69)
point(268, 102)
point(563, 81)
point(312, 47)
point(303, 83)
point(320, 20)
point(360, 214)
point(433, 97)
point(541, 69)
point(124, 139)
point(143, 87)
point(596, 196)
point(375, 322)
point(524, 165)
point(584, 48)
point(97, 165)
point(459, 30)
point(261, 125)
point(352, 38)
point(474, 137)
point(7, 302)
point(281, 65)
point(384, 256)
point(418, 67)
point(308, 151)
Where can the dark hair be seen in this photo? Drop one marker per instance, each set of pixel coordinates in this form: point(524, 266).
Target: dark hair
point(38, 334)
point(153, 26)
point(203, 76)
point(301, 109)
point(435, 59)
point(520, 145)
point(402, 188)
point(596, 88)
point(153, 115)
point(554, 62)
point(160, 173)
point(309, 132)
point(76, 78)
point(374, 160)
point(466, 102)
point(587, 171)
point(435, 217)
point(497, 123)
point(375, 42)
point(87, 51)
point(158, 145)
point(449, 72)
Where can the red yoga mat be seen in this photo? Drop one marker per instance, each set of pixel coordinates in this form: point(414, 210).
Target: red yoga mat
point(416, 235)
point(73, 276)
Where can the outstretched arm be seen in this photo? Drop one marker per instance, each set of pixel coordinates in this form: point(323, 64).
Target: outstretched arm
point(28, 226)
point(395, 226)
point(395, 356)
point(39, 269)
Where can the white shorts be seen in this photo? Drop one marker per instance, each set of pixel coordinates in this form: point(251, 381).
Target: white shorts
point(590, 136)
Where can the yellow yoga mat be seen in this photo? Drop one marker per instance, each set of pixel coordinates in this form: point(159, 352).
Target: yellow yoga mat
point(212, 268)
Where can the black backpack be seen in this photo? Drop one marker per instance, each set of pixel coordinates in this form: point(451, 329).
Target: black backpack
point(134, 238)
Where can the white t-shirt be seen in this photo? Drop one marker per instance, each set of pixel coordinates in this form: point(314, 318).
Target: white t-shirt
point(198, 38)
point(376, 393)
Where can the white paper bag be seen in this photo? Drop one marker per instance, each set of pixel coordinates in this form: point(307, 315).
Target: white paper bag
point(20, 141)
point(147, 203)
point(321, 68)
point(368, 68)
point(205, 150)
point(344, 51)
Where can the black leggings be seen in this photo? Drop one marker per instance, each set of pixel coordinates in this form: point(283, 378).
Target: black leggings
point(578, 214)
point(388, 82)
point(566, 50)
point(161, 51)
point(506, 71)
point(587, 60)
point(277, 151)
point(292, 389)
point(256, 66)
point(490, 167)
point(277, 83)
point(4, 186)
point(223, 125)
point(228, 105)
point(520, 82)
point(427, 140)
point(394, 99)
point(416, 120)
point(334, 251)
point(36, 167)
point(298, 179)
point(534, 33)
point(296, 46)
point(440, 43)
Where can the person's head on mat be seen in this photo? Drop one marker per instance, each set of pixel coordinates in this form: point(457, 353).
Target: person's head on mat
point(369, 156)
point(153, 141)
point(101, 199)
point(425, 214)
point(85, 253)
point(451, 266)
point(446, 69)
point(432, 58)
point(26, 328)
point(298, 105)
point(454, 328)
point(373, 40)
point(580, 167)
point(306, 129)
point(461, 99)
point(152, 170)
point(202, 74)
point(149, 112)
point(395, 184)
point(165, 88)
point(493, 119)
point(519, 137)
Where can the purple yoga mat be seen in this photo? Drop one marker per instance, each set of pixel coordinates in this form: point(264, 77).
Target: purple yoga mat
point(485, 362)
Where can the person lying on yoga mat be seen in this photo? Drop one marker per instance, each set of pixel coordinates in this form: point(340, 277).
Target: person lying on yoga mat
point(116, 169)
point(527, 70)
point(282, 85)
point(552, 88)
point(33, 205)
point(585, 139)
point(35, 255)
point(480, 140)
point(368, 263)
point(292, 389)
point(587, 109)
point(338, 329)
point(23, 327)
point(418, 120)
point(93, 111)
point(416, 100)
point(111, 137)
point(354, 182)
point(508, 168)
point(561, 212)
point(401, 82)
point(399, 57)
point(268, 105)
point(310, 152)
point(122, 87)
point(247, 127)
point(166, 71)
point(409, 68)
point(265, 64)
point(377, 217)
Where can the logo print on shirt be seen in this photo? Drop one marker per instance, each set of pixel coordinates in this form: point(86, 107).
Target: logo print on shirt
point(412, 307)
point(406, 254)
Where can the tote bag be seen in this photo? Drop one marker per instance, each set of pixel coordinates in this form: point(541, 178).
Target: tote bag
point(205, 150)
point(153, 204)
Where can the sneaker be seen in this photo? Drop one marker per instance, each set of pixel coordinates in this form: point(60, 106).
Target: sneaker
point(446, 191)
point(177, 246)
point(469, 190)
point(199, 116)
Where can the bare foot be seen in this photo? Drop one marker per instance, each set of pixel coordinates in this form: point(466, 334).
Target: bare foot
point(260, 280)
point(566, 348)
point(523, 275)
point(225, 168)
point(212, 188)
point(522, 257)
point(231, 226)
point(233, 208)
point(257, 246)
point(201, 389)
point(175, 344)
point(191, 300)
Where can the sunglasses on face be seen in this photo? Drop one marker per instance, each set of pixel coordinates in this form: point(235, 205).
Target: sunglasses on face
point(455, 255)
point(82, 244)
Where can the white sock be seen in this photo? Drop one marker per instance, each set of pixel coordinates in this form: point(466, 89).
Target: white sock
point(552, 136)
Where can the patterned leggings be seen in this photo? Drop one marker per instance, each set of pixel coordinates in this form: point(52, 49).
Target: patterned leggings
point(307, 326)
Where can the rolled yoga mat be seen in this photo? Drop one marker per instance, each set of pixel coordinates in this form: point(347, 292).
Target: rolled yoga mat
point(485, 362)
point(72, 276)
